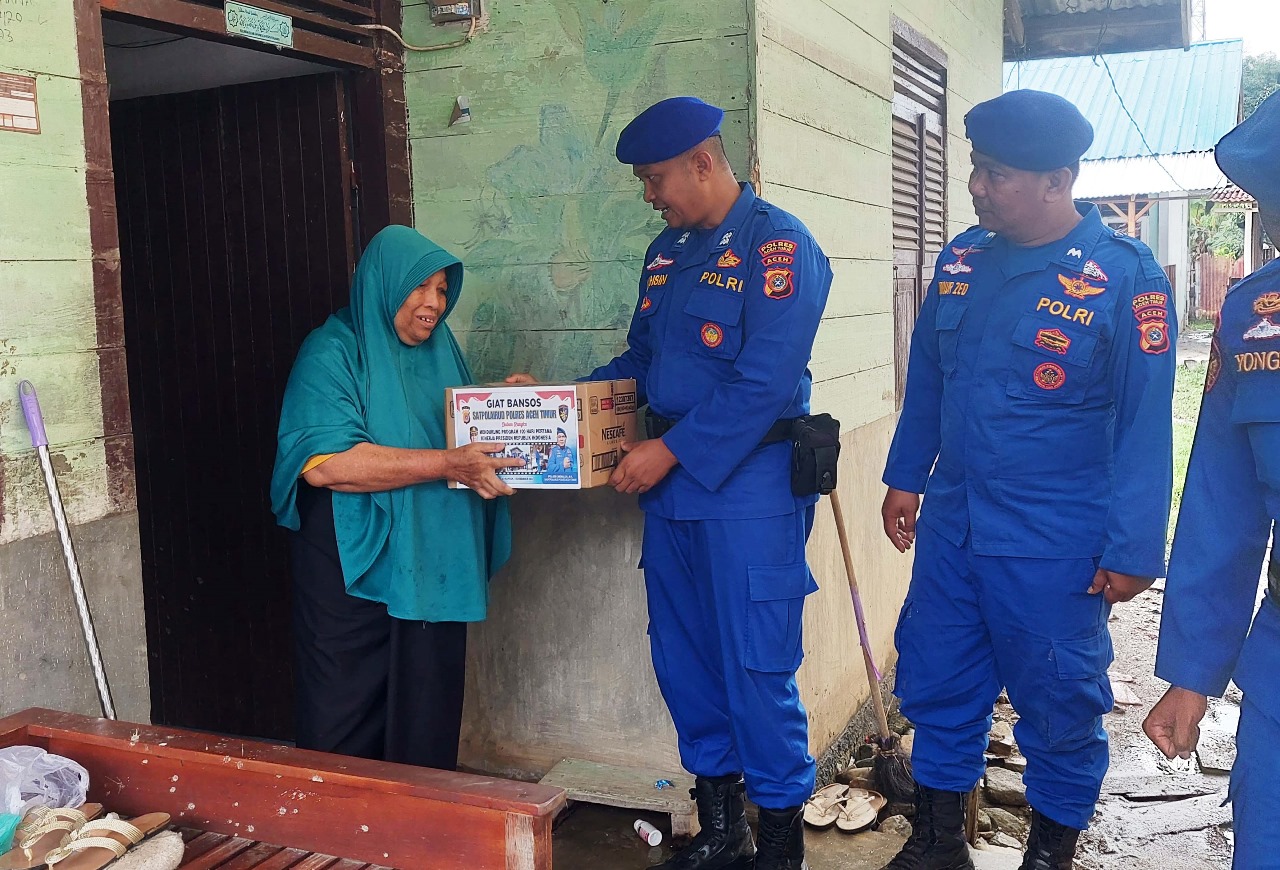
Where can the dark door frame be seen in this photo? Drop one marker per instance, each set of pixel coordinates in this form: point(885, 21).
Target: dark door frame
point(380, 170)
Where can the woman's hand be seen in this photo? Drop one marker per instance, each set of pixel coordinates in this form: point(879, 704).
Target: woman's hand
point(474, 467)
point(521, 379)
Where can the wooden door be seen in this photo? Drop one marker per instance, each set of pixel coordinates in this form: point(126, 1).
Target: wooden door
point(236, 241)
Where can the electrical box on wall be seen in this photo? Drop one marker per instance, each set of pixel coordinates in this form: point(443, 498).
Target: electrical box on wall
point(443, 11)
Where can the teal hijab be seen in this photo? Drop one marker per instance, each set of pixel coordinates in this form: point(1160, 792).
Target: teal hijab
point(426, 551)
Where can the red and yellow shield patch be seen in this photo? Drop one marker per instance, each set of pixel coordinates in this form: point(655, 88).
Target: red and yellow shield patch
point(712, 335)
point(778, 284)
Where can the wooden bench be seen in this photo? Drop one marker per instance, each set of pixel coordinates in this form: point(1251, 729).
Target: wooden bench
point(326, 812)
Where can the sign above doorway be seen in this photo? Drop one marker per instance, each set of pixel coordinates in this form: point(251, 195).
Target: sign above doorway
point(259, 24)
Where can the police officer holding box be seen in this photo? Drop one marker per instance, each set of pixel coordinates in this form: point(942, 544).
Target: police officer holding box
point(1229, 509)
point(729, 302)
point(1037, 424)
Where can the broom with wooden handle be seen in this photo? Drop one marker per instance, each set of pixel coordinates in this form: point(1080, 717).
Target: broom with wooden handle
point(890, 767)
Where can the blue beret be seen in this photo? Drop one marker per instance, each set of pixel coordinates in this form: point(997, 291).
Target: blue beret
point(1250, 154)
point(667, 129)
point(1030, 130)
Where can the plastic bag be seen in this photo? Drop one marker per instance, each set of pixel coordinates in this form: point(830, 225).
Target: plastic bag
point(31, 777)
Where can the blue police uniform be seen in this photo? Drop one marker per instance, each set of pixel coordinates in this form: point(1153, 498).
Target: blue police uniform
point(1037, 423)
point(720, 343)
point(1230, 506)
point(556, 462)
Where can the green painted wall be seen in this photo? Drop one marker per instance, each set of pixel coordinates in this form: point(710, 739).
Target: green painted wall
point(551, 227)
point(824, 86)
point(552, 231)
point(47, 321)
point(48, 334)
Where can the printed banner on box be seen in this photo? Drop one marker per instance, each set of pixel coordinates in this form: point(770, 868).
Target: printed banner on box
point(538, 424)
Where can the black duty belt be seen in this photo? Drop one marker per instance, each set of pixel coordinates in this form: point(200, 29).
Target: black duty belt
point(658, 426)
point(1273, 579)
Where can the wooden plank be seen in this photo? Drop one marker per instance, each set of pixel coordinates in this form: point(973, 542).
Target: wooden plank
point(317, 21)
point(811, 160)
point(44, 216)
point(218, 855)
point(844, 228)
point(1013, 23)
point(423, 818)
point(48, 306)
point(1150, 28)
point(201, 842)
point(804, 91)
point(849, 345)
point(316, 862)
point(855, 48)
point(211, 22)
point(355, 11)
point(858, 399)
point(254, 857)
point(283, 859)
point(629, 787)
point(860, 287)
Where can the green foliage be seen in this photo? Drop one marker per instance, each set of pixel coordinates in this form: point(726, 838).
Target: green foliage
point(1218, 232)
point(1261, 79)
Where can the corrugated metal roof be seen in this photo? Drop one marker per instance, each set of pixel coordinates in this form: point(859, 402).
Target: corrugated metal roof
point(1184, 101)
point(1148, 176)
point(1056, 7)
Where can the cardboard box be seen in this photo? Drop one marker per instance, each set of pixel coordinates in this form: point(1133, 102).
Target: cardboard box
point(593, 418)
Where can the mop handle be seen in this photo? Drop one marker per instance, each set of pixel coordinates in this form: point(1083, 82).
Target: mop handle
point(31, 410)
point(40, 441)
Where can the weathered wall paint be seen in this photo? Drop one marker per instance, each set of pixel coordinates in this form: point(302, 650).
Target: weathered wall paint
point(552, 231)
point(824, 84)
point(48, 334)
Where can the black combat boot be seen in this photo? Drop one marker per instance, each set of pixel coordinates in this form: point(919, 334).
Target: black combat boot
point(937, 834)
point(1051, 846)
point(724, 843)
point(781, 840)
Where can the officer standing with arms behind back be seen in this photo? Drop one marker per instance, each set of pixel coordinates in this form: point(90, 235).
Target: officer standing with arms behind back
point(728, 306)
point(1229, 508)
point(1040, 383)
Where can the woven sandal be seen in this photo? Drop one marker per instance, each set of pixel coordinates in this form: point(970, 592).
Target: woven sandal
point(822, 810)
point(100, 843)
point(859, 810)
point(42, 831)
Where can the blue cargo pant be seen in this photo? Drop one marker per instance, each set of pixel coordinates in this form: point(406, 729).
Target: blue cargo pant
point(1255, 793)
point(972, 624)
point(726, 599)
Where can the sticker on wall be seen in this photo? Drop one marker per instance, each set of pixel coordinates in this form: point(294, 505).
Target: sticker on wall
point(18, 110)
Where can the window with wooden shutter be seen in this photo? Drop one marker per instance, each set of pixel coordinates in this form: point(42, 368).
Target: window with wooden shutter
point(919, 180)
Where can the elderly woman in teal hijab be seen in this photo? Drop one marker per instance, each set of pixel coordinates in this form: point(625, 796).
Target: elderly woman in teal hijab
point(389, 563)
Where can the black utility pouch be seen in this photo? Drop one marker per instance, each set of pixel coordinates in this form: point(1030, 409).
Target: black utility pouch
point(815, 441)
